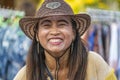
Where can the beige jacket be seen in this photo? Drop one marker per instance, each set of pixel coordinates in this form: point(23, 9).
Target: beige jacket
point(97, 69)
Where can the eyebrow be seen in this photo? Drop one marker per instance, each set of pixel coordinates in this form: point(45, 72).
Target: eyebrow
point(63, 21)
point(45, 21)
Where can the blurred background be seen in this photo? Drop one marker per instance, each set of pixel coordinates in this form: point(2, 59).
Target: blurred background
point(103, 35)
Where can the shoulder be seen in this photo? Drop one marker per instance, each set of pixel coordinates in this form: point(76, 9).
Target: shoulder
point(96, 59)
point(21, 75)
point(97, 66)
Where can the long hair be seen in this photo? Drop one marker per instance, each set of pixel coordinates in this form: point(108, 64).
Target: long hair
point(77, 63)
point(78, 58)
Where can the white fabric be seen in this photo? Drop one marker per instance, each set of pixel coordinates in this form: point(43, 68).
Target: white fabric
point(113, 58)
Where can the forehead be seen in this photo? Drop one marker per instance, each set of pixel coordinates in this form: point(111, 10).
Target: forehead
point(56, 18)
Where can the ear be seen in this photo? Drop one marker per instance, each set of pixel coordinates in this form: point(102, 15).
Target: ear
point(74, 35)
point(37, 38)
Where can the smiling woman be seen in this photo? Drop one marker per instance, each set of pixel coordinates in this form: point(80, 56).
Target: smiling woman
point(57, 51)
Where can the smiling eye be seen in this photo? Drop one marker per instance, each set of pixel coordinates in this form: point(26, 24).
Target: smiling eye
point(46, 25)
point(62, 24)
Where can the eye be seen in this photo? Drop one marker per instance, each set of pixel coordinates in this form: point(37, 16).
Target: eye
point(61, 24)
point(45, 24)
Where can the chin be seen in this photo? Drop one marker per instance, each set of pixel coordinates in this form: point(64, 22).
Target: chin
point(56, 50)
point(57, 55)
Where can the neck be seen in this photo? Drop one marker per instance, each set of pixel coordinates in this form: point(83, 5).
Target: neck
point(51, 61)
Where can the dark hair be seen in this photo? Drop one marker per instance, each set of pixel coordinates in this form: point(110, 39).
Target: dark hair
point(77, 60)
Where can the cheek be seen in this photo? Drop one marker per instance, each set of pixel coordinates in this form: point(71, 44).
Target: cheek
point(70, 36)
point(42, 35)
point(71, 33)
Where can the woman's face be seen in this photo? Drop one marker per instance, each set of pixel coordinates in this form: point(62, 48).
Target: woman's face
point(55, 34)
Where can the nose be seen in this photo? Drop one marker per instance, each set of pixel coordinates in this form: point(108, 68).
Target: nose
point(54, 30)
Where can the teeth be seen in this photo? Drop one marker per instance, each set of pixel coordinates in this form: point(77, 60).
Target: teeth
point(55, 40)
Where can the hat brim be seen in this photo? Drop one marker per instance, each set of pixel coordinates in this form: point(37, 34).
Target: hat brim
point(27, 24)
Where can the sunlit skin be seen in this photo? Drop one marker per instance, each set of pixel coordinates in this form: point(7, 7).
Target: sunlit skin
point(56, 34)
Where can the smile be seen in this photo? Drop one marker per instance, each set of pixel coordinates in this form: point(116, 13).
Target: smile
point(55, 41)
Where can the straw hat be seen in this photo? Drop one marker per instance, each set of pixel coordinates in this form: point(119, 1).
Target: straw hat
point(50, 8)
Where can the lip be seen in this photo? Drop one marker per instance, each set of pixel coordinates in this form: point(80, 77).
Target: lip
point(59, 39)
point(55, 38)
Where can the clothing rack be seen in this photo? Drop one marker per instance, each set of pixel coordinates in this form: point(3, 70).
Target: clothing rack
point(12, 58)
point(6, 12)
point(103, 15)
point(106, 23)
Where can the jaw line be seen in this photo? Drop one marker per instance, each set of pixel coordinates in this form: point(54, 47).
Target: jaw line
point(58, 56)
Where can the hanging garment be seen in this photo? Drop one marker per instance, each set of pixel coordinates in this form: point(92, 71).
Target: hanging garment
point(91, 37)
point(106, 40)
point(16, 51)
point(118, 67)
point(113, 58)
point(3, 56)
point(100, 41)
